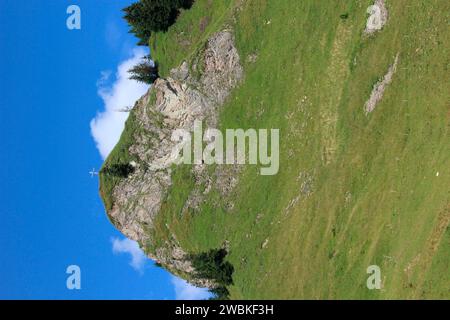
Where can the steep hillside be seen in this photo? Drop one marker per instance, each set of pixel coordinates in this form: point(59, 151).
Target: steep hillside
point(364, 119)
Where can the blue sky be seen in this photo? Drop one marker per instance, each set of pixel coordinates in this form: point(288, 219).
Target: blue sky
point(53, 82)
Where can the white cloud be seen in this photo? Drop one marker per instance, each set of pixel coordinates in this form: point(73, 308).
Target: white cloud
point(138, 258)
point(186, 291)
point(108, 125)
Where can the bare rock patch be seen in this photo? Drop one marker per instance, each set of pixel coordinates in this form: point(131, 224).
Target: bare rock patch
point(378, 17)
point(380, 87)
point(172, 103)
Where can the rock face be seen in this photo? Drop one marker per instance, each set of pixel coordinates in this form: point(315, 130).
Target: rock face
point(189, 94)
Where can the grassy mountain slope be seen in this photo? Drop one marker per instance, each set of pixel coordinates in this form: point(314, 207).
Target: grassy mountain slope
point(352, 190)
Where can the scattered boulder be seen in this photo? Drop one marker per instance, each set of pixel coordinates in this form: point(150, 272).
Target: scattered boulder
point(378, 17)
point(265, 243)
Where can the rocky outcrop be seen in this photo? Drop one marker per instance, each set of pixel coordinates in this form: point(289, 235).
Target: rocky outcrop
point(380, 87)
point(378, 17)
point(190, 93)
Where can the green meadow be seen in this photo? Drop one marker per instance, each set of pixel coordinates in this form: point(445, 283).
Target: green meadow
point(353, 190)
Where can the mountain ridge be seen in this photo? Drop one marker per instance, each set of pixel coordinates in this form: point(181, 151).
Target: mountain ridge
point(353, 190)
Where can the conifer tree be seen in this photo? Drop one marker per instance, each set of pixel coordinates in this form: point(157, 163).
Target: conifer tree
point(147, 16)
point(121, 170)
point(145, 71)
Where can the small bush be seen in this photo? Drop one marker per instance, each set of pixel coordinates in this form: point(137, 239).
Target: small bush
point(212, 265)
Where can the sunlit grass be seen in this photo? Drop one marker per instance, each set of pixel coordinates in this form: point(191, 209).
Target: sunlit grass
point(376, 198)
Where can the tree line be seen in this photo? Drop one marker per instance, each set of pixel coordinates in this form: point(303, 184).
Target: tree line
point(144, 18)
